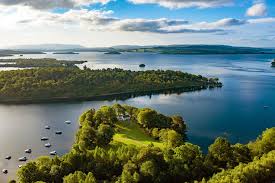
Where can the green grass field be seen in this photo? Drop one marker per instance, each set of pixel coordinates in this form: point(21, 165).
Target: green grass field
point(131, 134)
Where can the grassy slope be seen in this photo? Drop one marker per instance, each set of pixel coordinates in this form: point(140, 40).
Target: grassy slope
point(131, 134)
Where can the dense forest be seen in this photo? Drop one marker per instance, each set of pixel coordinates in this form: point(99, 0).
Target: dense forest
point(39, 62)
point(97, 157)
point(65, 83)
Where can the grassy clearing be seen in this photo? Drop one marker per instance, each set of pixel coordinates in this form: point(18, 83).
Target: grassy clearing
point(131, 134)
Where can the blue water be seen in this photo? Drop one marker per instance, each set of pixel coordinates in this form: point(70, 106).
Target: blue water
point(235, 111)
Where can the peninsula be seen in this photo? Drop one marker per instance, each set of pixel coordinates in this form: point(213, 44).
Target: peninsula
point(121, 143)
point(33, 63)
point(54, 84)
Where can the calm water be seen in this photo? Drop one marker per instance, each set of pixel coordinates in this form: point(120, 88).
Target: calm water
point(235, 111)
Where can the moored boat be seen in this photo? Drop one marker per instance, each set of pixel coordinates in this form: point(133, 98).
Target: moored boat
point(44, 138)
point(48, 145)
point(53, 153)
point(28, 151)
point(8, 157)
point(58, 132)
point(5, 171)
point(23, 159)
point(68, 122)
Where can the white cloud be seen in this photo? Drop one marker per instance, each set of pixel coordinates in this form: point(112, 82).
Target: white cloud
point(206, 27)
point(262, 20)
point(96, 20)
point(258, 9)
point(50, 4)
point(226, 22)
point(104, 21)
point(185, 3)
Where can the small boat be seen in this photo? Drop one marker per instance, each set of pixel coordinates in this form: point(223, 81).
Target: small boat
point(5, 171)
point(48, 145)
point(47, 127)
point(23, 159)
point(58, 132)
point(29, 151)
point(44, 138)
point(68, 122)
point(53, 153)
point(266, 107)
point(8, 157)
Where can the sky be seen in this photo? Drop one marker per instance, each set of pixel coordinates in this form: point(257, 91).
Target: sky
point(97, 23)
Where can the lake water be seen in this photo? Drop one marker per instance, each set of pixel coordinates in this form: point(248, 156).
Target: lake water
point(235, 111)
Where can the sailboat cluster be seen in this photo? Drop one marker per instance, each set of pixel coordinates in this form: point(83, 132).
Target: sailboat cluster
point(29, 151)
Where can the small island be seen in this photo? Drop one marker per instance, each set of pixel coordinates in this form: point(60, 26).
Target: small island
point(142, 65)
point(273, 63)
point(59, 84)
point(40, 62)
point(5, 55)
point(113, 53)
point(66, 53)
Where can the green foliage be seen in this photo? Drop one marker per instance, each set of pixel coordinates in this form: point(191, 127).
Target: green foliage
point(221, 153)
point(104, 134)
point(186, 163)
point(95, 157)
point(65, 83)
point(170, 137)
point(79, 177)
point(264, 143)
point(259, 170)
point(40, 62)
point(105, 115)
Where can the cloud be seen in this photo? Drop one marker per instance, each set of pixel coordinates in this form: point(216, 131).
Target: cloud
point(226, 22)
point(174, 4)
point(262, 20)
point(258, 9)
point(96, 20)
point(104, 21)
point(146, 25)
point(50, 4)
point(218, 27)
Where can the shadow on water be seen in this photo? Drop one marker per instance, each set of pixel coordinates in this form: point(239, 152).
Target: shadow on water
point(107, 97)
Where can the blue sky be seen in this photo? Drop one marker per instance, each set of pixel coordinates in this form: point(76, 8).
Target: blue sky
point(143, 22)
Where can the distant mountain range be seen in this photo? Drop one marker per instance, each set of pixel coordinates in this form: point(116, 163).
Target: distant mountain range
point(46, 47)
point(169, 49)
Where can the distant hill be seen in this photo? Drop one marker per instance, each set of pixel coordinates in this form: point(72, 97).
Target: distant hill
point(168, 49)
point(47, 47)
point(5, 53)
point(202, 49)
